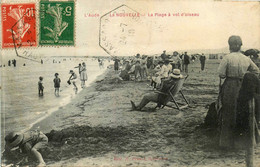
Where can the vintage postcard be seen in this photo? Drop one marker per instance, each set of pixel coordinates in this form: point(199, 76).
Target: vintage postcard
point(130, 83)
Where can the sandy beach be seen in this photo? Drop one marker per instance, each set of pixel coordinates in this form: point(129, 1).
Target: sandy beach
point(98, 127)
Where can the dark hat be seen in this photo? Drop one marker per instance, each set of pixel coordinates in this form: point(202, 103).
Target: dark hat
point(40, 78)
point(166, 61)
point(234, 40)
point(56, 74)
point(252, 52)
point(71, 71)
point(13, 139)
point(160, 62)
point(175, 53)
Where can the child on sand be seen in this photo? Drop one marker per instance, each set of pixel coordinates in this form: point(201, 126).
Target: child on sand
point(56, 81)
point(156, 79)
point(40, 86)
point(83, 74)
point(29, 143)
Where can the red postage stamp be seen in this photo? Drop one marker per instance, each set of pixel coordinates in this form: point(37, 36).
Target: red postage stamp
point(18, 25)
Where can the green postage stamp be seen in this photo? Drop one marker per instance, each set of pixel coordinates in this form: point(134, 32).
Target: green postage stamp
point(57, 23)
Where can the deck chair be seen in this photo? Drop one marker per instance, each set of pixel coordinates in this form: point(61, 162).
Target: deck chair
point(173, 92)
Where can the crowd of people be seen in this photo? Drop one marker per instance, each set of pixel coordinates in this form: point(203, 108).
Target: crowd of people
point(238, 69)
point(154, 68)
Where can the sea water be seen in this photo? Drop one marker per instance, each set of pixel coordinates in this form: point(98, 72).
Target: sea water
point(22, 106)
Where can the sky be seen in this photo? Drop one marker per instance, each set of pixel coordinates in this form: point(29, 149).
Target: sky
point(210, 30)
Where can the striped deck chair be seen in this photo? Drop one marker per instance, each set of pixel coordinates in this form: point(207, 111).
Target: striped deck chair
point(173, 92)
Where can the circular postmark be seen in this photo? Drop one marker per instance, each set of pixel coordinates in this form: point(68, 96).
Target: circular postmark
point(121, 31)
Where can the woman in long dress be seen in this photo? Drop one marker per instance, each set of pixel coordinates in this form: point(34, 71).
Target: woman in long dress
point(83, 74)
point(232, 68)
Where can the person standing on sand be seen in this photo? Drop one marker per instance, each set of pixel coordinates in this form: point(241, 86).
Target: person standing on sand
point(250, 89)
point(186, 62)
point(56, 81)
point(232, 68)
point(73, 78)
point(14, 62)
point(83, 74)
point(143, 63)
point(79, 66)
point(29, 143)
point(176, 60)
point(116, 64)
point(40, 86)
point(138, 70)
point(202, 61)
point(163, 55)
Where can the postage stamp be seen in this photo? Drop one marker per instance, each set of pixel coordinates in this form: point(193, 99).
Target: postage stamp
point(18, 25)
point(57, 23)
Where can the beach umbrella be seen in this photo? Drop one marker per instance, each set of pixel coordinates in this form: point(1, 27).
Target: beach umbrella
point(250, 52)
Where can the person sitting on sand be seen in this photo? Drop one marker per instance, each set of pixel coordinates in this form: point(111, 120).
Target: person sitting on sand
point(29, 143)
point(166, 69)
point(124, 74)
point(56, 81)
point(40, 86)
point(156, 97)
point(73, 78)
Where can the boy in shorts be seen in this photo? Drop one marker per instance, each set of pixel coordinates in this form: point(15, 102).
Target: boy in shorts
point(73, 78)
point(40, 86)
point(56, 81)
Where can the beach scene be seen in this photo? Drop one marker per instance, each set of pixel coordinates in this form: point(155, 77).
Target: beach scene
point(21, 97)
point(147, 83)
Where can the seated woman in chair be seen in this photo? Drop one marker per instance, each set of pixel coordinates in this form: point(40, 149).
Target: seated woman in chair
point(156, 97)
